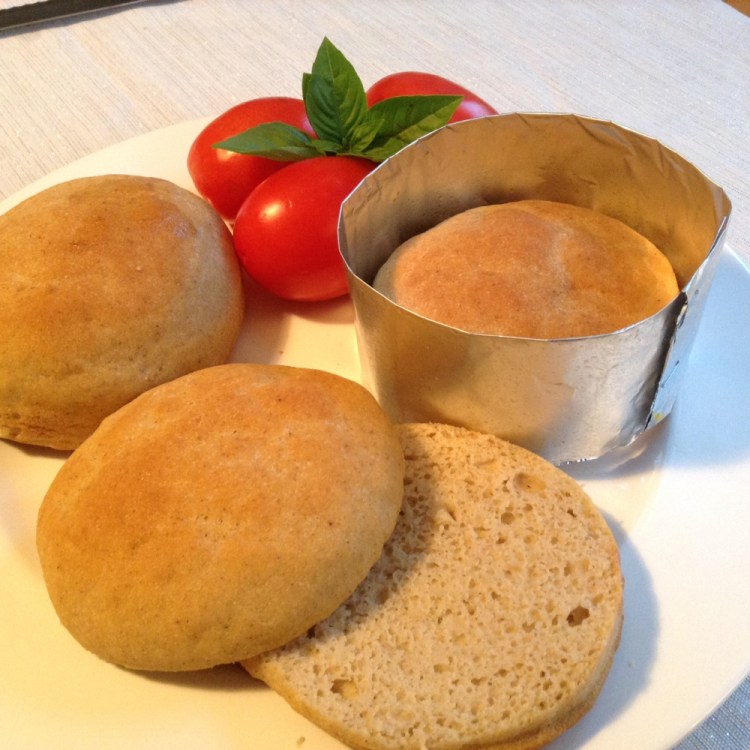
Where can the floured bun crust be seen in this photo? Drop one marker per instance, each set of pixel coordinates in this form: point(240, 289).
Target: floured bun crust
point(490, 621)
point(532, 269)
point(219, 515)
point(109, 285)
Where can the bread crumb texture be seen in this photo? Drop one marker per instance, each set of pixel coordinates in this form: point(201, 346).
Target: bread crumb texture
point(490, 620)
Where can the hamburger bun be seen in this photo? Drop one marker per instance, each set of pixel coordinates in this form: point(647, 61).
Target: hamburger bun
point(532, 269)
point(490, 620)
point(219, 515)
point(109, 285)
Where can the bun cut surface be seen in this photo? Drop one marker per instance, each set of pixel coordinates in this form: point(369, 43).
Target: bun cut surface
point(219, 515)
point(490, 620)
point(109, 285)
point(532, 269)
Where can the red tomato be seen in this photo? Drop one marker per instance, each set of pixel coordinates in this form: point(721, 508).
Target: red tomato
point(225, 178)
point(410, 83)
point(286, 232)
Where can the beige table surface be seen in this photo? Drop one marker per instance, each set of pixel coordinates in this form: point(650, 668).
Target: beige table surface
point(677, 70)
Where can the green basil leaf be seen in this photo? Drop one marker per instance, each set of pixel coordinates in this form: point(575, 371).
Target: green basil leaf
point(363, 135)
point(407, 118)
point(334, 96)
point(336, 105)
point(409, 115)
point(326, 148)
point(273, 140)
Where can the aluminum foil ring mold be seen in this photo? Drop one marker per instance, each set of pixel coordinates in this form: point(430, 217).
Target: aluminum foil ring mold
point(565, 399)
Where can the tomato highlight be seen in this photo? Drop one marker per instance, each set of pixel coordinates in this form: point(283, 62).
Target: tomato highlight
point(413, 83)
point(286, 231)
point(225, 178)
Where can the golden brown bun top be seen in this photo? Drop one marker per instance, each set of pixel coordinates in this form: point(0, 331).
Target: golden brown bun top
point(109, 285)
point(533, 269)
point(219, 515)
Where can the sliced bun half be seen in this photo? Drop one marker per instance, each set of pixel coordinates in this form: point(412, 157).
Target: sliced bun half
point(490, 621)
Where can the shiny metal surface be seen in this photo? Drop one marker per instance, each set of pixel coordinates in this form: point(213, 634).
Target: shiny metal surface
point(566, 399)
point(29, 14)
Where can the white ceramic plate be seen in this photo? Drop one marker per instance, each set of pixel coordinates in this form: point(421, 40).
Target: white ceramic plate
point(677, 501)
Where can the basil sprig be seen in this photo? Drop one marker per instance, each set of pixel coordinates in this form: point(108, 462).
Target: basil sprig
point(336, 106)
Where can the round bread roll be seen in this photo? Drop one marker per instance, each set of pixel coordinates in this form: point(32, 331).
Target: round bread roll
point(219, 515)
point(109, 285)
point(532, 269)
point(490, 620)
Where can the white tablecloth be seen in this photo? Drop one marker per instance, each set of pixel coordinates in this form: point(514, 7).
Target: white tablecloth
point(677, 70)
